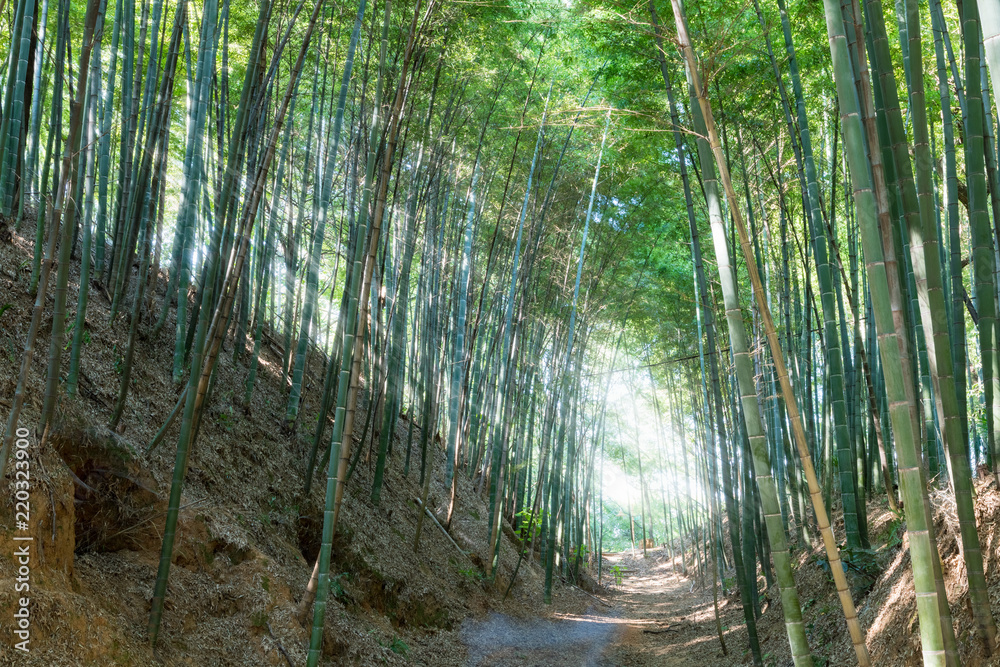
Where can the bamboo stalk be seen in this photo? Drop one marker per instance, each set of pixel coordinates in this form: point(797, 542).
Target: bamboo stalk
point(801, 652)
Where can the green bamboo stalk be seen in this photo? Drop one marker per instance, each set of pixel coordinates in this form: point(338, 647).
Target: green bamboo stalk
point(268, 253)
point(72, 376)
point(41, 63)
point(459, 362)
point(396, 363)
point(212, 327)
point(45, 270)
point(51, 160)
point(156, 146)
point(180, 227)
point(935, 624)
point(14, 111)
point(568, 369)
point(833, 348)
point(67, 209)
point(704, 308)
point(314, 588)
point(320, 209)
point(10, 129)
point(191, 191)
point(936, 332)
point(104, 159)
point(704, 124)
point(989, 16)
point(507, 361)
point(129, 112)
point(957, 315)
point(983, 260)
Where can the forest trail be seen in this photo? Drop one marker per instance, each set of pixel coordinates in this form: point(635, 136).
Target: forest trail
point(654, 617)
point(664, 619)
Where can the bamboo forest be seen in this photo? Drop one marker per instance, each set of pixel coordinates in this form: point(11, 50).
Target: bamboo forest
point(500, 333)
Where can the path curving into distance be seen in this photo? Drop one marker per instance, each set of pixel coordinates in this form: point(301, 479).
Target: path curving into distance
point(654, 618)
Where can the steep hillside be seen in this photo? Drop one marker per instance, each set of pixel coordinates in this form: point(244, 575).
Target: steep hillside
point(882, 582)
point(247, 537)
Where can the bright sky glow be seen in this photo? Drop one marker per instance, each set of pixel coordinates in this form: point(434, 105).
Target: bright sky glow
point(631, 422)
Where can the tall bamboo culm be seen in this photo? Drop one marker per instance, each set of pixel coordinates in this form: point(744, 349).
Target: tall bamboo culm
point(936, 633)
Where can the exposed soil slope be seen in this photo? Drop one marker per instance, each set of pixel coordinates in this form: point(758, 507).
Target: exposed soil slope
point(247, 538)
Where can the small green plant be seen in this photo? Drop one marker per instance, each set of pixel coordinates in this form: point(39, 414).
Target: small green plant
point(893, 533)
point(529, 526)
point(336, 585)
point(399, 647)
point(70, 326)
point(619, 574)
point(472, 573)
point(259, 619)
point(226, 420)
point(862, 566)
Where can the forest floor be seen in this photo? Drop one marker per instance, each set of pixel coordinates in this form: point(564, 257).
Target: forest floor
point(652, 616)
point(665, 618)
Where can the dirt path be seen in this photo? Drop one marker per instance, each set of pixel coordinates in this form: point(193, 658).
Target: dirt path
point(654, 618)
point(665, 621)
